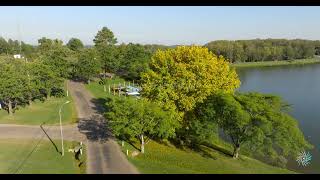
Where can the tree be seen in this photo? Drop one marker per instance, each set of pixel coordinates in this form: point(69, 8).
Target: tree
point(104, 37)
point(257, 121)
point(105, 42)
point(131, 118)
point(75, 44)
point(42, 80)
point(27, 49)
point(13, 86)
point(55, 55)
point(181, 77)
point(3, 46)
point(133, 60)
point(88, 65)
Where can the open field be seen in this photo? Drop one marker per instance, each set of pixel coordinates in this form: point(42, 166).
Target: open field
point(37, 156)
point(41, 112)
point(167, 159)
point(276, 63)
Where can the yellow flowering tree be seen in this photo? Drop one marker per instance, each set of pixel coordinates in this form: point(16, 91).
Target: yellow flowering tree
point(181, 77)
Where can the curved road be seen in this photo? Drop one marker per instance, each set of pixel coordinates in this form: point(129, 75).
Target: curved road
point(104, 155)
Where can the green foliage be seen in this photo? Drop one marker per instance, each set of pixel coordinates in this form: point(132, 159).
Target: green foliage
point(88, 65)
point(264, 49)
point(105, 42)
point(75, 44)
point(179, 78)
point(23, 82)
point(13, 86)
point(133, 60)
point(41, 77)
point(3, 46)
point(259, 122)
point(104, 37)
point(131, 118)
point(57, 56)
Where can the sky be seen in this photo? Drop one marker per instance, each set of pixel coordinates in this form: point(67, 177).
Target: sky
point(168, 25)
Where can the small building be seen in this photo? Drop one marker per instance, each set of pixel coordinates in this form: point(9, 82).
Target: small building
point(17, 56)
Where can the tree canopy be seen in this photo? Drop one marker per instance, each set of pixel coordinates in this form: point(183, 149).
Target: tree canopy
point(181, 77)
point(257, 121)
point(75, 44)
point(139, 118)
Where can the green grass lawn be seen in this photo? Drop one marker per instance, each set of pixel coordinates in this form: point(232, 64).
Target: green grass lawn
point(167, 159)
point(276, 63)
point(39, 112)
point(38, 157)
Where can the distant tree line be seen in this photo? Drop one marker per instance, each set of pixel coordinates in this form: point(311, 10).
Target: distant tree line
point(264, 49)
point(11, 47)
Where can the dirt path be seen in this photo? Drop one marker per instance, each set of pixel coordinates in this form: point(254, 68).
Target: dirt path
point(103, 153)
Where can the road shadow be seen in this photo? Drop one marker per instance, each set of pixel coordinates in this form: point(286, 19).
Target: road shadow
point(95, 128)
point(99, 105)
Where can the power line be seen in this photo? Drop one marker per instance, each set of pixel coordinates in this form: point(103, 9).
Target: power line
point(33, 149)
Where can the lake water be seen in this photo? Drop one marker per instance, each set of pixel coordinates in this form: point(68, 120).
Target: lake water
point(299, 86)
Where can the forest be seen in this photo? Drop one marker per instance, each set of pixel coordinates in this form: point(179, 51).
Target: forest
point(264, 49)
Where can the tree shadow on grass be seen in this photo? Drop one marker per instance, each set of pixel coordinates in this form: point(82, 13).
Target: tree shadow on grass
point(132, 143)
point(202, 148)
point(219, 149)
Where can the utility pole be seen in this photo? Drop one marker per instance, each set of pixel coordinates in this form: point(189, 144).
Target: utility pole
point(62, 153)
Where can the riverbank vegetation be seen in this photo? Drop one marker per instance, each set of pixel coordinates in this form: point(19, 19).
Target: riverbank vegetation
point(276, 63)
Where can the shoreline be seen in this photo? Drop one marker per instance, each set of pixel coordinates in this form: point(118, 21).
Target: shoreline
point(276, 63)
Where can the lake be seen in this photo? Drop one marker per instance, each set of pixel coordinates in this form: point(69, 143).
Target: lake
point(299, 85)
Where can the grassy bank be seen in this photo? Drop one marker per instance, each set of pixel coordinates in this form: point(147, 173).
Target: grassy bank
point(167, 159)
point(275, 63)
point(37, 157)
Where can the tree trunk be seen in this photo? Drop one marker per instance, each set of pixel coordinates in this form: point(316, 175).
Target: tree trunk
point(142, 144)
point(29, 101)
point(88, 81)
point(48, 93)
point(236, 151)
point(10, 108)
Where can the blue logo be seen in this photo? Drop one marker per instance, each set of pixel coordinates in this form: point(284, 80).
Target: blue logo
point(304, 158)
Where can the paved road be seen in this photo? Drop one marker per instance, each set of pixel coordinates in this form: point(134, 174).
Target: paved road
point(103, 153)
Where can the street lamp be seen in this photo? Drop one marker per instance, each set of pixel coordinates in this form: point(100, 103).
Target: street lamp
point(61, 126)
